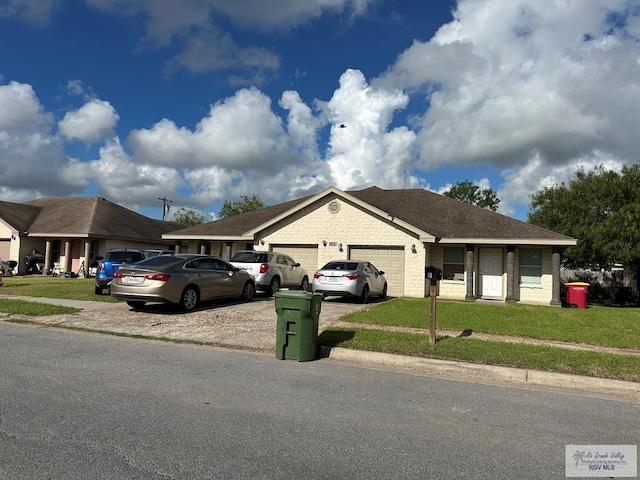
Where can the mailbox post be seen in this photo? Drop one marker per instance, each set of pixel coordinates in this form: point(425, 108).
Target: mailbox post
point(433, 274)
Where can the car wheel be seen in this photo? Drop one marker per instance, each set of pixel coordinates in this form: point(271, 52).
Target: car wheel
point(248, 291)
point(136, 304)
point(189, 299)
point(384, 291)
point(274, 286)
point(98, 290)
point(305, 284)
point(364, 296)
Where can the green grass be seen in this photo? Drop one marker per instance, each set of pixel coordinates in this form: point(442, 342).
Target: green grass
point(53, 287)
point(23, 307)
point(596, 325)
point(556, 359)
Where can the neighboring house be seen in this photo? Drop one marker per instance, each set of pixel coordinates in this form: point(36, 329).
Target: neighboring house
point(71, 232)
point(483, 254)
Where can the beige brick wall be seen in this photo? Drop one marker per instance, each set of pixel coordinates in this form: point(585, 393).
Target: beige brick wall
point(10, 247)
point(538, 293)
point(450, 289)
point(350, 226)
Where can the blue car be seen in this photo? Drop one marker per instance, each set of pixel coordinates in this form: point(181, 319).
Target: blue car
point(114, 259)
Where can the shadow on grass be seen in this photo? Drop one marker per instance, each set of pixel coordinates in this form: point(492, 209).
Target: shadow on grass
point(333, 338)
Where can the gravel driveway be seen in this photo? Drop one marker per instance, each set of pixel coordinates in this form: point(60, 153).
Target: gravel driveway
point(249, 325)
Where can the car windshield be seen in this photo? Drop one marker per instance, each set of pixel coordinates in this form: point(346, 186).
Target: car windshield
point(341, 266)
point(124, 256)
point(251, 257)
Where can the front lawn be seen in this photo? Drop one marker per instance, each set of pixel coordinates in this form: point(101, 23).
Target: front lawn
point(596, 325)
point(52, 287)
point(518, 355)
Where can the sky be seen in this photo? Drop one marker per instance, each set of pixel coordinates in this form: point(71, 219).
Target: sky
point(204, 101)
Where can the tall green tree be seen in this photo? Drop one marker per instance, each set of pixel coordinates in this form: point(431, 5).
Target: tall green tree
point(601, 209)
point(188, 217)
point(467, 192)
point(244, 205)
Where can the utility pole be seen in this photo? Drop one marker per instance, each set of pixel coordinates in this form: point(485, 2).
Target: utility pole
point(165, 205)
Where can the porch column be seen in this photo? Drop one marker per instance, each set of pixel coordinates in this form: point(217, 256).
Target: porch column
point(511, 273)
point(555, 277)
point(203, 248)
point(87, 260)
point(66, 266)
point(47, 257)
point(469, 271)
point(177, 248)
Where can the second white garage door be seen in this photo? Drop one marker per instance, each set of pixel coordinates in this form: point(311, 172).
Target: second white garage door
point(306, 255)
point(390, 260)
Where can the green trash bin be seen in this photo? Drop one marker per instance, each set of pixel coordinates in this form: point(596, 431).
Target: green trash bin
point(297, 332)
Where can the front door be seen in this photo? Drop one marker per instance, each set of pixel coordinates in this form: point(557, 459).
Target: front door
point(491, 272)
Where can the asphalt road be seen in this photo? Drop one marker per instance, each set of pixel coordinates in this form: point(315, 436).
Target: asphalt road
point(77, 406)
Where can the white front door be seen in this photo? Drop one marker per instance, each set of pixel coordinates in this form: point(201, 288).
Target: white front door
point(491, 272)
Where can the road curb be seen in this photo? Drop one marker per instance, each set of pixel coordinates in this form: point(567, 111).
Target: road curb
point(515, 376)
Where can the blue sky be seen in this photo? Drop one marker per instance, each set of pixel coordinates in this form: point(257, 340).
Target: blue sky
point(207, 100)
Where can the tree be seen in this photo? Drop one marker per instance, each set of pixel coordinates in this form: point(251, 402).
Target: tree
point(467, 192)
point(601, 209)
point(188, 217)
point(244, 205)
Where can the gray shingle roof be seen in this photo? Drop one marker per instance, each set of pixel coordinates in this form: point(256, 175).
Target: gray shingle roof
point(82, 216)
point(430, 212)
point(445, 217)
point(18, 215)
point(237, 225)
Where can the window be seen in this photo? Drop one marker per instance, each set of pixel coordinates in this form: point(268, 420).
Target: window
point(530, 266)
point(251, 257)
point(201, 264)
point(221, 265)
point(453, 267)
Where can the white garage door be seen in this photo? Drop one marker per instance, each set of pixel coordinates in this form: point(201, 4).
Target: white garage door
point(306, 255)
point(390, 260)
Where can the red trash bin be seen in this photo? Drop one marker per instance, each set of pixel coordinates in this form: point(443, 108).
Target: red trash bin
point(577, 294)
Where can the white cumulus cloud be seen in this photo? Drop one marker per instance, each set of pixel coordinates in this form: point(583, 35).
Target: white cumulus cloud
point(362, 151)
point(94, 122)
point(517, 84)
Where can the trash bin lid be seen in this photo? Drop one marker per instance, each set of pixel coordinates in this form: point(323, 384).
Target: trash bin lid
point(293, 294)
point(577, 284)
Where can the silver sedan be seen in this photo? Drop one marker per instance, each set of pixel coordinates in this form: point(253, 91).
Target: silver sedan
point(350, 278)
point(184, 279)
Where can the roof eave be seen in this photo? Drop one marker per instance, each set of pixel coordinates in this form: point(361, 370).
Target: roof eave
point(57, 235)
point(221, 238)
point(561, 242)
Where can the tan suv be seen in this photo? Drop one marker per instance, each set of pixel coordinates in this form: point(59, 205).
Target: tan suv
point(271, 270)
